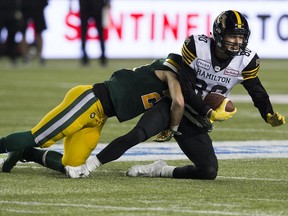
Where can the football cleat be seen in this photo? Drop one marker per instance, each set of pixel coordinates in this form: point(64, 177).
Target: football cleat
point(11, 160)
point(77, 172)
point(149, 170)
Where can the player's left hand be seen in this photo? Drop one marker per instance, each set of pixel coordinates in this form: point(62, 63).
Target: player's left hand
point(275, 119)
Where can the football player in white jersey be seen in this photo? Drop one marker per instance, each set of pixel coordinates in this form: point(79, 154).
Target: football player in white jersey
point(212, 64)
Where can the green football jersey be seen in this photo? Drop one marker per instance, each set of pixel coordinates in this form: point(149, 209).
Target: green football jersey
point(134, 91)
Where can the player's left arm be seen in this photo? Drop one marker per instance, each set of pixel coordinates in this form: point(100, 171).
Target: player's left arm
point(259, 95)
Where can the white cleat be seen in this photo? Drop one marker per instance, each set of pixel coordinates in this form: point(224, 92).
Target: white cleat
point(149, 170)
point(77, 172)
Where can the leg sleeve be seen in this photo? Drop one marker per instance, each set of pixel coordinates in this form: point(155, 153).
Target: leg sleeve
point(47, 158)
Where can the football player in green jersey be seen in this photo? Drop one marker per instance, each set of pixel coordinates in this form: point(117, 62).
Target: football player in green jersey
point(79, 118)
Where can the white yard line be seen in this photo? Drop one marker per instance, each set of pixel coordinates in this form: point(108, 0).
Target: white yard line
point(106, 207)
point(275, 98)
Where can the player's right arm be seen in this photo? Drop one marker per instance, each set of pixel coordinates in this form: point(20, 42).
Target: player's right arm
point(177, 105)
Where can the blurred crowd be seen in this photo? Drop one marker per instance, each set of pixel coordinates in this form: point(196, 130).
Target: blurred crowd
point(16, 16)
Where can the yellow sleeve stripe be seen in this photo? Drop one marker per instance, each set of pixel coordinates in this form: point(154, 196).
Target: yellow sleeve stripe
point(187, 55)
point(250, 74)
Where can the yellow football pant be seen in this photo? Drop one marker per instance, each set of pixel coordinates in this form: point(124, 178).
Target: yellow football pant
point(78, 119)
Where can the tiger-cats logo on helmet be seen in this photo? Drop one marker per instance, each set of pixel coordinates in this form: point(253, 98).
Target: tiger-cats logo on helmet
point(222, 19)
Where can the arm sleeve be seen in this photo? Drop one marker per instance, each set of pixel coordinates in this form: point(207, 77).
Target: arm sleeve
point(255, 89)
point(259, 96)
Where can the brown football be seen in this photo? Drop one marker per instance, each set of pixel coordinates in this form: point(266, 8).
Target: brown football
point(214, 100)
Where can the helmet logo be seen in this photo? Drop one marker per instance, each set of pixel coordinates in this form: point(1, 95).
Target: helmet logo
point(223, 21)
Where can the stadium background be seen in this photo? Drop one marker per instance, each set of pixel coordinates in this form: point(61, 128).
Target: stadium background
point(153, 28)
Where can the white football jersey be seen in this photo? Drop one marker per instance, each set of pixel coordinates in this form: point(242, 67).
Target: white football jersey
point(213, 78)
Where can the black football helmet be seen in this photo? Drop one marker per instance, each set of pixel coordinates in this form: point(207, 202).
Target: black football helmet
point(230, 22)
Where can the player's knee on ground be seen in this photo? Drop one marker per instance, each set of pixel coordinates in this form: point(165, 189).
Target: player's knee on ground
point(192, 172)
point(209, 173)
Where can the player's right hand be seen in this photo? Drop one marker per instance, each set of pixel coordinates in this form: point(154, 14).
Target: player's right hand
point(220, 114)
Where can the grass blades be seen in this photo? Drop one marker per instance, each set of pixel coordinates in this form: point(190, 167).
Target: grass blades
point(244, 187)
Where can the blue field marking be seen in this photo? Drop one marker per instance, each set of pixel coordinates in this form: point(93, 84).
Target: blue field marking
point(224, 150)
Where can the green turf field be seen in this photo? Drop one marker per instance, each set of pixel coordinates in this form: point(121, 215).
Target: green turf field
point(244, 187)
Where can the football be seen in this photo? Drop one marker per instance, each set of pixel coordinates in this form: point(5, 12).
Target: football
point(214, 100)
